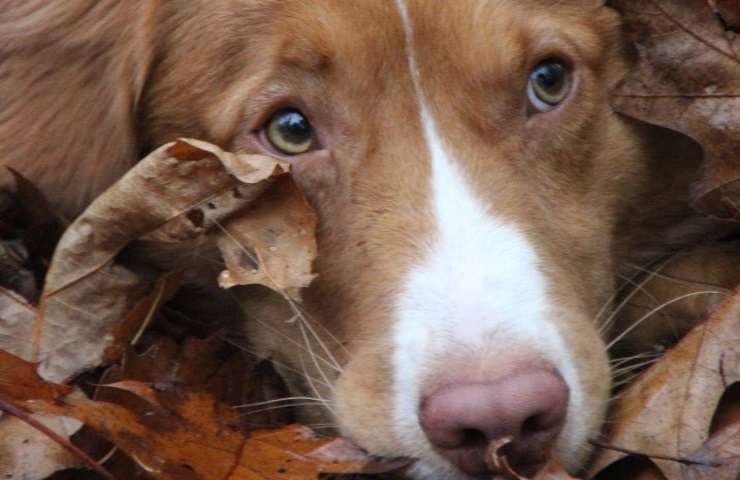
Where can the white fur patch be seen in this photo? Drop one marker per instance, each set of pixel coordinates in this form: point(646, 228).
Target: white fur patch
point(480, 289)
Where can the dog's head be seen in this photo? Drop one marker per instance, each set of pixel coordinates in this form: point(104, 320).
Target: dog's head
point(468, 173)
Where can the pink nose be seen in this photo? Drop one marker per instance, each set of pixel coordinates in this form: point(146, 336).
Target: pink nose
point(461, 420)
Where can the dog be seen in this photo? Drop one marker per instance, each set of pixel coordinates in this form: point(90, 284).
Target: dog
point(477, 194)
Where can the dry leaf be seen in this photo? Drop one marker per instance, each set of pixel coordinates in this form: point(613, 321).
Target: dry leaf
point(687, 78)
point(19, 381)
point(176, 194)
point(182, 435)
point(205, 365)
point(17, 318)
point(719, 458)
point(26, 453)
point(273, 243)
point(131, 326)
point(667, 412)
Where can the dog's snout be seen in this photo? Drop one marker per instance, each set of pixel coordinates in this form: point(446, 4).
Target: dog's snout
point(461, 420)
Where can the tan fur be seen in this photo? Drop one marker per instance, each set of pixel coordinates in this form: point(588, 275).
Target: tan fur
point(87, 87)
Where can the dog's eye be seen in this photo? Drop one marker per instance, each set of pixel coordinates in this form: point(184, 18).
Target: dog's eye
point(549, 84)
point(290, 132)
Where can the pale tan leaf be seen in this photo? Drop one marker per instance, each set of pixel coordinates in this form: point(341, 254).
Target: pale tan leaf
point(666, 414)
point(273, 243)
point(17, 320)
point(176, 194)
point(28, 454)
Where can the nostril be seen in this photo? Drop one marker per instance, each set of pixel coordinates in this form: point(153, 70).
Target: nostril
point(472, 438)
point(531, 425)
point(537, 425)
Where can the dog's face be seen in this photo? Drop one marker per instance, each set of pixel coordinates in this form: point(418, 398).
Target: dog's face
point(468, 173)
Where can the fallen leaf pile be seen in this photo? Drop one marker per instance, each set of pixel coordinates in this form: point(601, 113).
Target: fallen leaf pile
point(168, 405)
point(112, 365)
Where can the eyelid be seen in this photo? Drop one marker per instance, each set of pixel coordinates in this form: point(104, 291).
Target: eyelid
point(262, 107)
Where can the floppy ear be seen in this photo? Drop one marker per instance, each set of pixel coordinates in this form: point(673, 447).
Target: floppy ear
point(71, 73)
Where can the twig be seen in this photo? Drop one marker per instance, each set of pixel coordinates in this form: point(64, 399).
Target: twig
point(26, 417)
point(670, 458)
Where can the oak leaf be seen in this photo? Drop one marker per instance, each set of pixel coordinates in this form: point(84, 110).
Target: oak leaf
point(180, 435)
point(687, 78)
point(667, 412)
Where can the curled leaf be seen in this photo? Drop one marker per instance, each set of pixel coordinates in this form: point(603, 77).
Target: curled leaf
point(177, 195)
point(273, 243)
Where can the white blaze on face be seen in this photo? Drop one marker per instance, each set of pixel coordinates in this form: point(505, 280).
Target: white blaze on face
point(479, 290)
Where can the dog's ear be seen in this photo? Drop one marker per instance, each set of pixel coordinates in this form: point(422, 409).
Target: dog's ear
point(71, 74)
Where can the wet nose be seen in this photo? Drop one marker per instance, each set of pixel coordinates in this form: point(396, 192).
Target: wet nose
point(529, 407)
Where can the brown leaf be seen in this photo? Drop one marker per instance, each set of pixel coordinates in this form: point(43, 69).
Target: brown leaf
point(687, 78)
point(666, 414)
point(176, 194)
point(723, 448)
point(17, 318)
point(189, 435)
point(204, 365)
point(272, 244)
point(130, 327)
point(19, 381)
point(25, 452)
point(193, 364)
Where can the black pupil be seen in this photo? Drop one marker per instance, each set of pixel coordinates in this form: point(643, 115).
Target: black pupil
point(550, 76)
point(293, 126)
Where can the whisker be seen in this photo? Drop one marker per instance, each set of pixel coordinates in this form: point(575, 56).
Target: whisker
point(289, 339)
point(625, 380)
point(627, 281)
point(657, 309)
point(615, 362)
point(272, 360)
point(279, 400)
point(313, 356)
point(612, 317)
point(280, 407)
point(305, 323)
point(689, 282)
point(313, 387)
point(630, 368)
